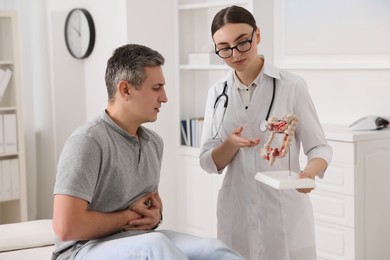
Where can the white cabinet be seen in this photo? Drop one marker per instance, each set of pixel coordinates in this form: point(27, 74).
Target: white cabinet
point(13, 198)
point(351, 203)
point(198, 65)
point(197, 196)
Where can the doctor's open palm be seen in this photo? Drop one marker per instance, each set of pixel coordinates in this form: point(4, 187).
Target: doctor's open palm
point(238, 141)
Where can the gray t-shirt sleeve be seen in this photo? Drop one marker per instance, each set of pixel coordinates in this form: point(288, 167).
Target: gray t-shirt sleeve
point(78, 167)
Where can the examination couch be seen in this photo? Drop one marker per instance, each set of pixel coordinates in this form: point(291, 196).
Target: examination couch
point(30, 240)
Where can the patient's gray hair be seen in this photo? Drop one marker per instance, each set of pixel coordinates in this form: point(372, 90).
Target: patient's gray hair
point(128, 63)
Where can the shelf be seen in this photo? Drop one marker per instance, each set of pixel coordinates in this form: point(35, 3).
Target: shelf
point(342, 133)
point(7, 109)
point(6, 62)
point(210, 4)
point(9, 200)
point(8, 155)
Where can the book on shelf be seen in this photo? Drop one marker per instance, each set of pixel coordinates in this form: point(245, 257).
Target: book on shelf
point(2, 72)
point(6, 186)
point(10, 185)
point(5, 77)
point(15, 181)
point(191, 131)
point(10, 134)
point(1, 134)
point(184, 132)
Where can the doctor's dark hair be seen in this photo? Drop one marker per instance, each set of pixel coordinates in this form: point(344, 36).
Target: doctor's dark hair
point(232, 14)
point(128, 63)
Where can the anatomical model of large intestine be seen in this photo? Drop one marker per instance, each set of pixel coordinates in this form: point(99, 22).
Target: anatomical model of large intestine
point(285, 126)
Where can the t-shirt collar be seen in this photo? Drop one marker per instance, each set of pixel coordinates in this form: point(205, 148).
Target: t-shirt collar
point(142, 134)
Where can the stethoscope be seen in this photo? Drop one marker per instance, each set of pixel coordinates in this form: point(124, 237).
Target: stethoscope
point(225, 98)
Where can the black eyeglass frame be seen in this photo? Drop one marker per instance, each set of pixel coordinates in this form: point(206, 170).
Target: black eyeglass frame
point(235, 47)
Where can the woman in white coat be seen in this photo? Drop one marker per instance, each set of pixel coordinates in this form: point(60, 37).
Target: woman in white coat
point(258, 221)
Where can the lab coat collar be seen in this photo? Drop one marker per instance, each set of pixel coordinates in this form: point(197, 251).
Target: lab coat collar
point(270, 70)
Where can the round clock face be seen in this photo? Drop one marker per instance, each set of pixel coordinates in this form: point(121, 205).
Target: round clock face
point(79, 33)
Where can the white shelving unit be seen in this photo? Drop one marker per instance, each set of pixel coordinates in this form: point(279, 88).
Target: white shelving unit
point(197, 190)
point(13, 191)
point(194, 37)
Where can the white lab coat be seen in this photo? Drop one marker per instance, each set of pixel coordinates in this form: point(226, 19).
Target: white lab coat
point(260, 222)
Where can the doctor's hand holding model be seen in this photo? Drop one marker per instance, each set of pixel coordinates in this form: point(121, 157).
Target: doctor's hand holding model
point(258, 221)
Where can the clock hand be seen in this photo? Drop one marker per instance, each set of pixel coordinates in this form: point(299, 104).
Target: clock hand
point(78, 32)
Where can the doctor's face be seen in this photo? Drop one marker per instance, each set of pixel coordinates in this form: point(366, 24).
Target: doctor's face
point(239, 40)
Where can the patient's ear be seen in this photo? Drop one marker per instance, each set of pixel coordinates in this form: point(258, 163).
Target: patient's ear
point(124, 89)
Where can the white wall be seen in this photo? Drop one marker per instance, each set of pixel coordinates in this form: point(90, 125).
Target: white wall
point(60, 92)
point(343, 96)
point(79, 92)
point(61, 103)
point(152, 23)
point(337, 50)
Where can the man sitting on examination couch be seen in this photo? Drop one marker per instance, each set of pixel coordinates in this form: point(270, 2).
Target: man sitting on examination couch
point(106, 200)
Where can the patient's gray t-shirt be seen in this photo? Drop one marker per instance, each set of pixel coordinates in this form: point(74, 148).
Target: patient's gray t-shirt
point(104, 165)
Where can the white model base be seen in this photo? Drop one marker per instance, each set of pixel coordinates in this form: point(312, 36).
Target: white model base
point(283, 180)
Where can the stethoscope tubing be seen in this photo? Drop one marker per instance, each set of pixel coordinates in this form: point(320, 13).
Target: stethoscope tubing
point(223, 94)
point(272, 100)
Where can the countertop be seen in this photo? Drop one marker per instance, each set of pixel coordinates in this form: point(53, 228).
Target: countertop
point(341, 133)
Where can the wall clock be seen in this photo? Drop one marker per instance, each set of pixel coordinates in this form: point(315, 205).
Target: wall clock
point(79, 33)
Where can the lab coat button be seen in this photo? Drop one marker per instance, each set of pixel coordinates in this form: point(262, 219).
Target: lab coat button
point(253, 201)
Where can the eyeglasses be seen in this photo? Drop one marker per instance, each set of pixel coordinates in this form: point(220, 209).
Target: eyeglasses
point(243, 46)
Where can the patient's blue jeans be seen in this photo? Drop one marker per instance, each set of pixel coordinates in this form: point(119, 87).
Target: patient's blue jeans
point(159, 245)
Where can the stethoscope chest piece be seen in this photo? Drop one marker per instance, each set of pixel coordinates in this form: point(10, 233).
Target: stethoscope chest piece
point(263, 126)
